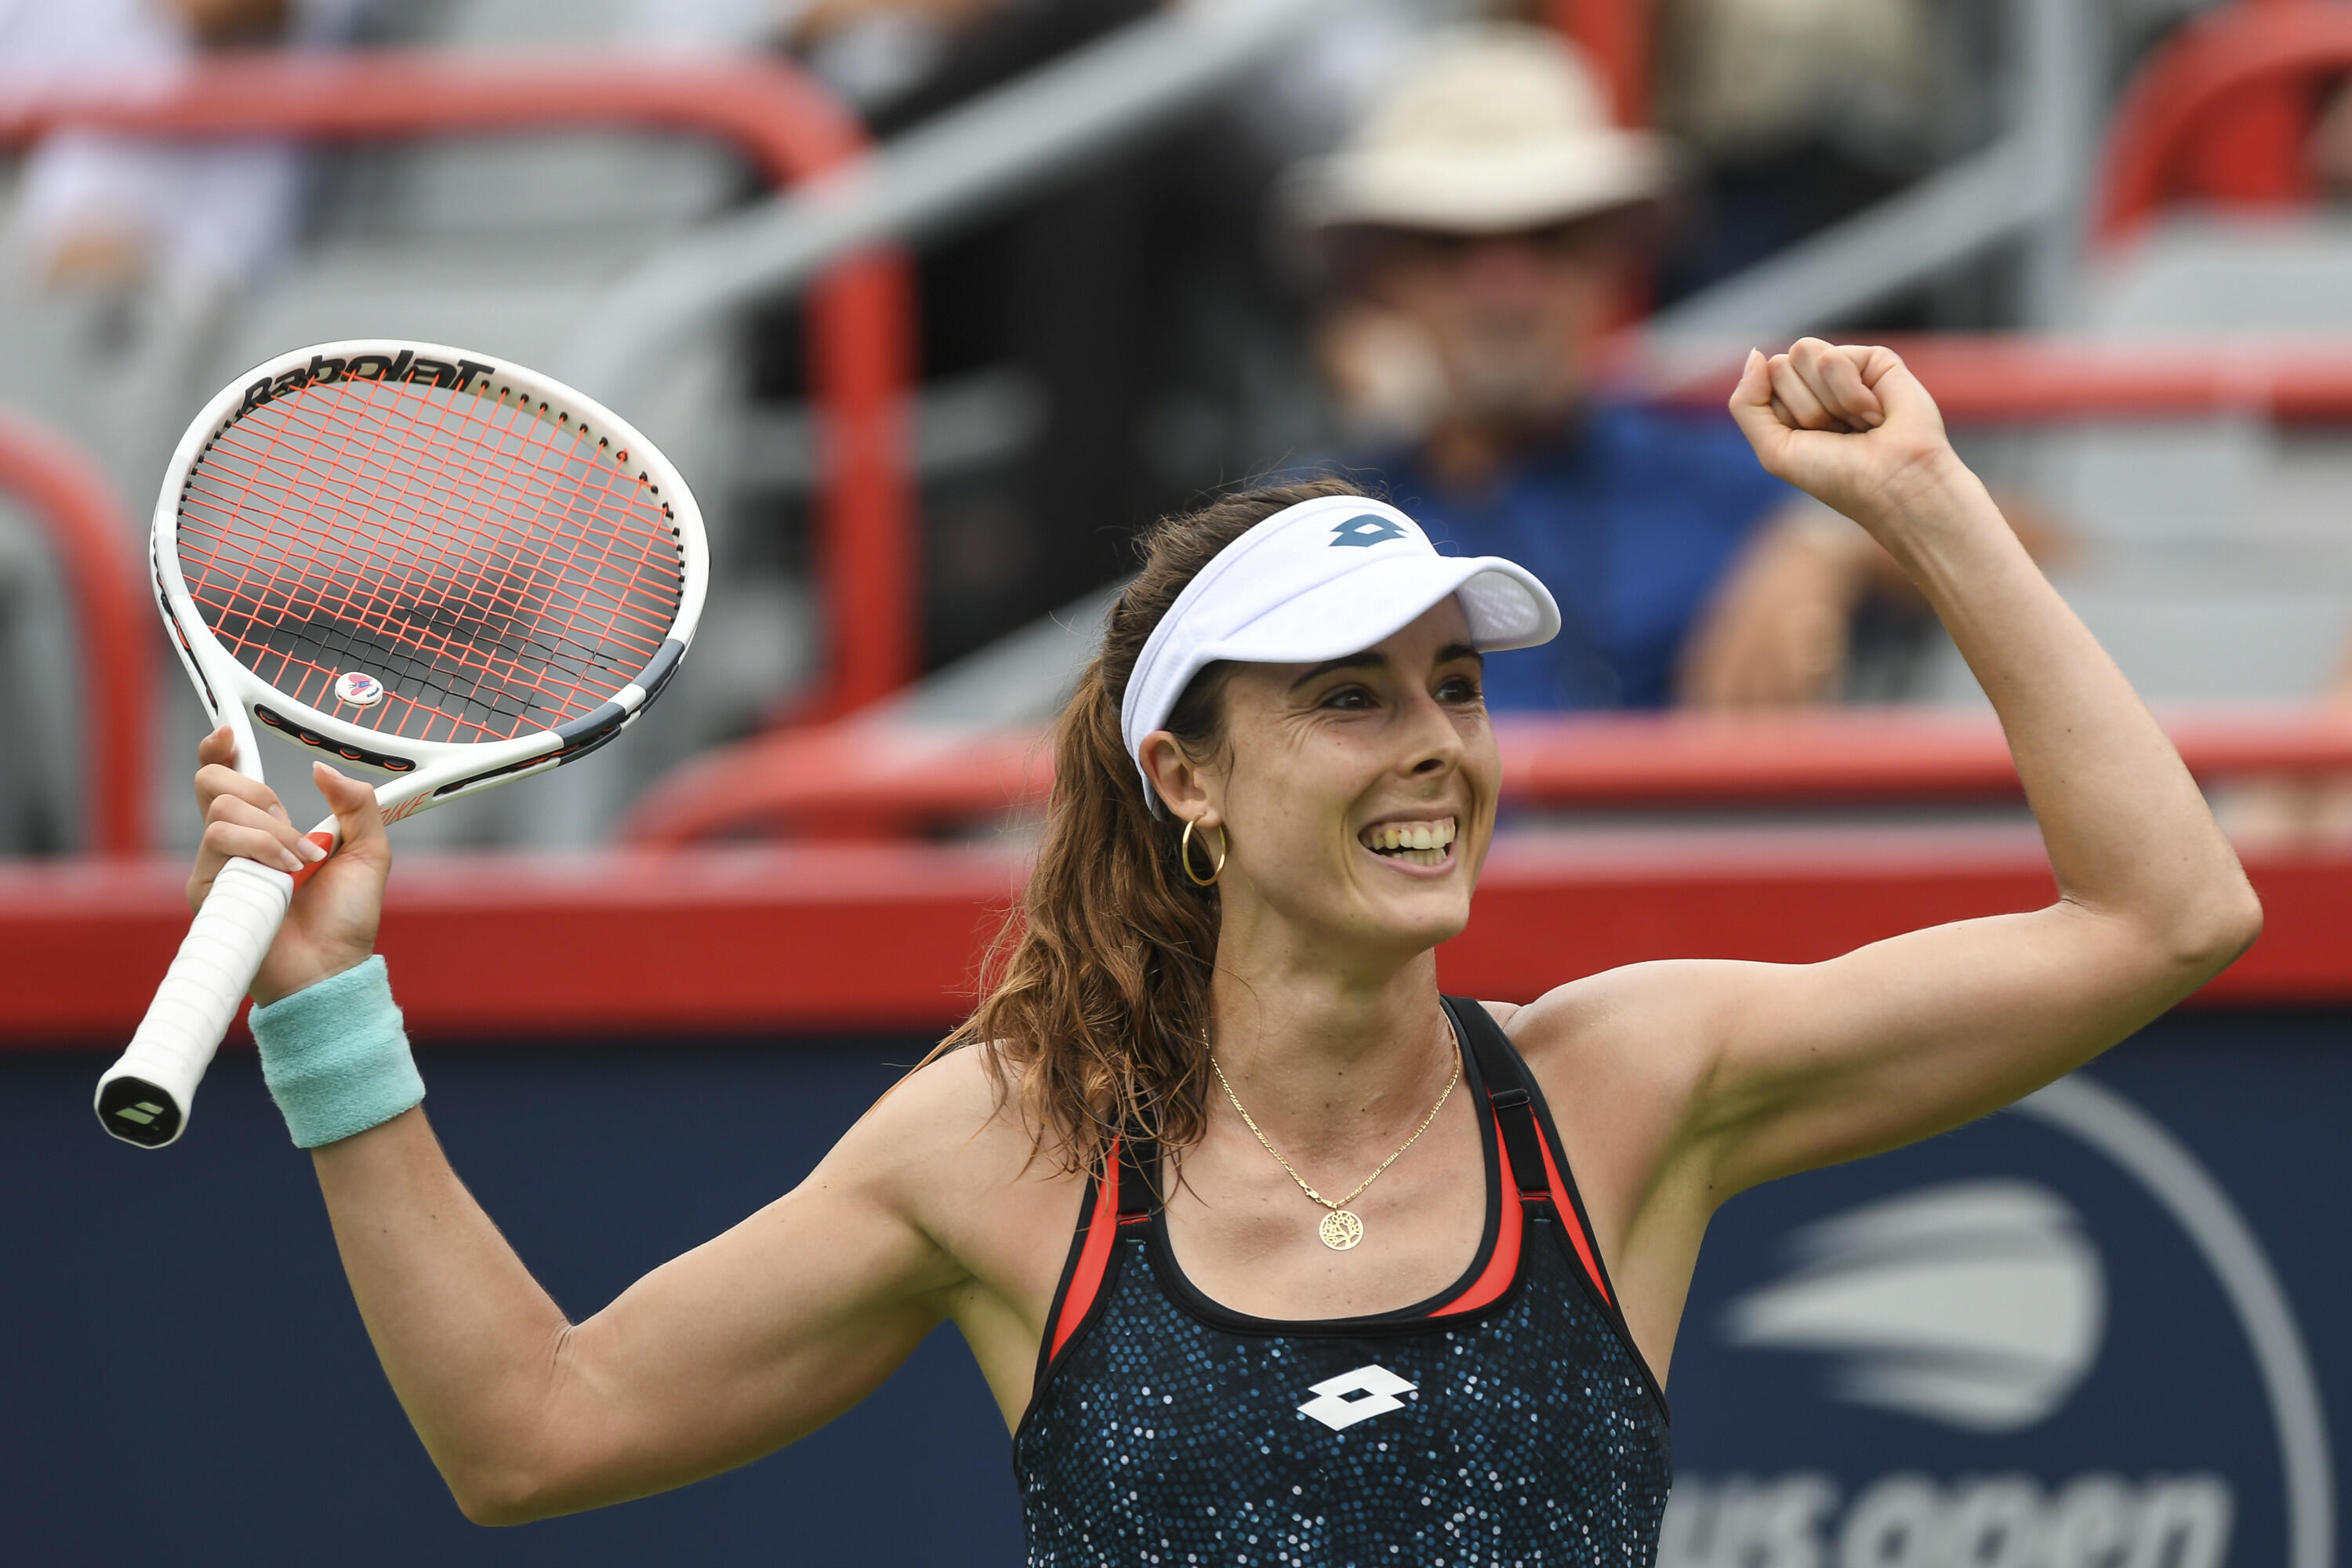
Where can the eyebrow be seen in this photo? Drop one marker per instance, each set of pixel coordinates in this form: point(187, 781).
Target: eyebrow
point(1371, 659)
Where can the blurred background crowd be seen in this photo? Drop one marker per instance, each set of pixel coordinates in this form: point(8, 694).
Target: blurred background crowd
point(1445, 246)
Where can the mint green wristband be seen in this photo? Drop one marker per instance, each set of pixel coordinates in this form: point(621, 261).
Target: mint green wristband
point(335, 1056)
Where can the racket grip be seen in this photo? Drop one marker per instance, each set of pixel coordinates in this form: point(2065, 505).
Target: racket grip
point(145, 1098)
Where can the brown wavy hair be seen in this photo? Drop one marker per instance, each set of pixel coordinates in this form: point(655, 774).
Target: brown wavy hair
point(1095, 1013)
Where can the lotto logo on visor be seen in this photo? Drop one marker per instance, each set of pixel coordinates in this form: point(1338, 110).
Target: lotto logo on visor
point(1368, 529)
point(1305, 586)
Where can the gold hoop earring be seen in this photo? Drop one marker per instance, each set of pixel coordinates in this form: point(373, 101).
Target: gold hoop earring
point(1184, 857)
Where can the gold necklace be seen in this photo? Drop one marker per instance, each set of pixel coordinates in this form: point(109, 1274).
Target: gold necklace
point(1339, 1229)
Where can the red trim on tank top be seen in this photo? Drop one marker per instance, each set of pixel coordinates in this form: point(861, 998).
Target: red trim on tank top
point(1503, 1266)
point(1094, 1259)
point(1585, 1252)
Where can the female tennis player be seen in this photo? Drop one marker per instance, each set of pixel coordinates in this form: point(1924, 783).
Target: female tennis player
point(1270, 1252)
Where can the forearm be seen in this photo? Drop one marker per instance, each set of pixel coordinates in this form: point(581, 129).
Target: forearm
point(468, 1340)
point(2128, 831)
point(723, 1353)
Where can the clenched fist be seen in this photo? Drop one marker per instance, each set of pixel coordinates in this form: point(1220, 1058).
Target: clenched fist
point(1850, 426)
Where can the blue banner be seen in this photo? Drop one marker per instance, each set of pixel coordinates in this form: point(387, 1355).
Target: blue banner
point(2110, 1329)
point(2060, 1338)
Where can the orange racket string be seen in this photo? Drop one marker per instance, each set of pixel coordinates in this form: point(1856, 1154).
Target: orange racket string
point(496, 570)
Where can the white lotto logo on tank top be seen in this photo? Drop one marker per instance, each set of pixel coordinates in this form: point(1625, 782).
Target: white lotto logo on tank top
point(1340, 1402)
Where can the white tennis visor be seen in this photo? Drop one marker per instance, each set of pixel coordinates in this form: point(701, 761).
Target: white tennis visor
point(1320, 580)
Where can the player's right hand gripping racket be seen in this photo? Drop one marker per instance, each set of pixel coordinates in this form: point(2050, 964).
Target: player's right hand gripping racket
point(438, 567)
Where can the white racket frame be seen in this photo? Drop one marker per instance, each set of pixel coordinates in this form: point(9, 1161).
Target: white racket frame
point(226, 942)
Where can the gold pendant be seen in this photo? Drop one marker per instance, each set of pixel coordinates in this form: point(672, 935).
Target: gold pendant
point(1340, 1230)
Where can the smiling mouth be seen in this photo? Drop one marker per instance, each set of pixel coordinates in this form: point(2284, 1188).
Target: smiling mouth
point(1427, 843)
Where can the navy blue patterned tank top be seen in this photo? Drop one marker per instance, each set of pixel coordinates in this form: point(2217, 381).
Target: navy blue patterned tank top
point(1507, 1420)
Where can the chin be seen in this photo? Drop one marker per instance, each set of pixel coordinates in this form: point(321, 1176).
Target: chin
point(1518, 396)
point(1421, 925)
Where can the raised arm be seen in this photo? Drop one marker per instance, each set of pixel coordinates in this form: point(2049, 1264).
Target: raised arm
point(723, 1354)
point(1752, 1072)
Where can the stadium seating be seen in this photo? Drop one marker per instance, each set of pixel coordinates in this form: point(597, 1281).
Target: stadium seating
point(2201, 547)
point(501, 243)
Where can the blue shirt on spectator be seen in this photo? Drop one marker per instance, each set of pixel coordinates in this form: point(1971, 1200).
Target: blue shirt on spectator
point(1630, 521)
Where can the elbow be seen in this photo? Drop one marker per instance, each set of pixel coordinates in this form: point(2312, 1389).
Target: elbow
point(2223, 925)
point(495, 1506)
point(520, 1459)
point(498, 1496)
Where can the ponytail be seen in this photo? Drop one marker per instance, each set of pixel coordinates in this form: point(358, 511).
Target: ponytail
point(1095, 1018)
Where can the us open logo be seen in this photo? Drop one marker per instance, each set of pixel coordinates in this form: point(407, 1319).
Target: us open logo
point(2049, 1341)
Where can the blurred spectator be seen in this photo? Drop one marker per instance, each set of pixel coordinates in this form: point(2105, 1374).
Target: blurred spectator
point(111, 212)
point(1480, 226)
point(1799, 113)
point(2327, 152)
point(1121, 305)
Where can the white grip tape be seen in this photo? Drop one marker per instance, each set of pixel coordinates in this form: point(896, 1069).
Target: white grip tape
point(217, 962)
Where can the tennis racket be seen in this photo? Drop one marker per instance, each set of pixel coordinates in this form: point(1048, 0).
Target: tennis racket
point(431, 565)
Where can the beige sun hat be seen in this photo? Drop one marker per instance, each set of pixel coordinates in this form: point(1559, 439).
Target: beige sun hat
point(1500, 127)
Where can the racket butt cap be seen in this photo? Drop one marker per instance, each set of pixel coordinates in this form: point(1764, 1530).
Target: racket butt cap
point(139, 1112)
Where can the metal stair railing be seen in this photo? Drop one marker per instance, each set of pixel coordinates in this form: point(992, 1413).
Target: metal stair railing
point(952, 169)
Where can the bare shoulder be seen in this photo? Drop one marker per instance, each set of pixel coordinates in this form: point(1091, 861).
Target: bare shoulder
point(947, 1119)
point(955, 1090)
point(1625, 1056)
point(948, 1148)
point(1641, 1014)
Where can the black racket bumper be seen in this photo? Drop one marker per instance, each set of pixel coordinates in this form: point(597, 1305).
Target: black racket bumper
point(137, 1111)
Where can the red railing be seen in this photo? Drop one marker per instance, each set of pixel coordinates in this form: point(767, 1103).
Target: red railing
point(860, 314)
point(876, 777)
point(92, 540)
point(2222, 111)
point(775, 940)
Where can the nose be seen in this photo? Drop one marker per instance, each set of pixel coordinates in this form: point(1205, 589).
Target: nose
point(1503, 265)
point(1433, 743)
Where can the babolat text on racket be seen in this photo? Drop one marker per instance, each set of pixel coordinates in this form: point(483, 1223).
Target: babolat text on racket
point(430, 564)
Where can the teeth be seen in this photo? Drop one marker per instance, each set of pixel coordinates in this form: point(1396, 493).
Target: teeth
point(1424, 842)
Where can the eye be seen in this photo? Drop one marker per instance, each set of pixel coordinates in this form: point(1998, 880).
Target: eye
point(1458, 688)
point(1348, 699)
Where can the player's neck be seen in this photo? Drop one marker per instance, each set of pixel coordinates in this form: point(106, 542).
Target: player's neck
point(1319, 1054)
